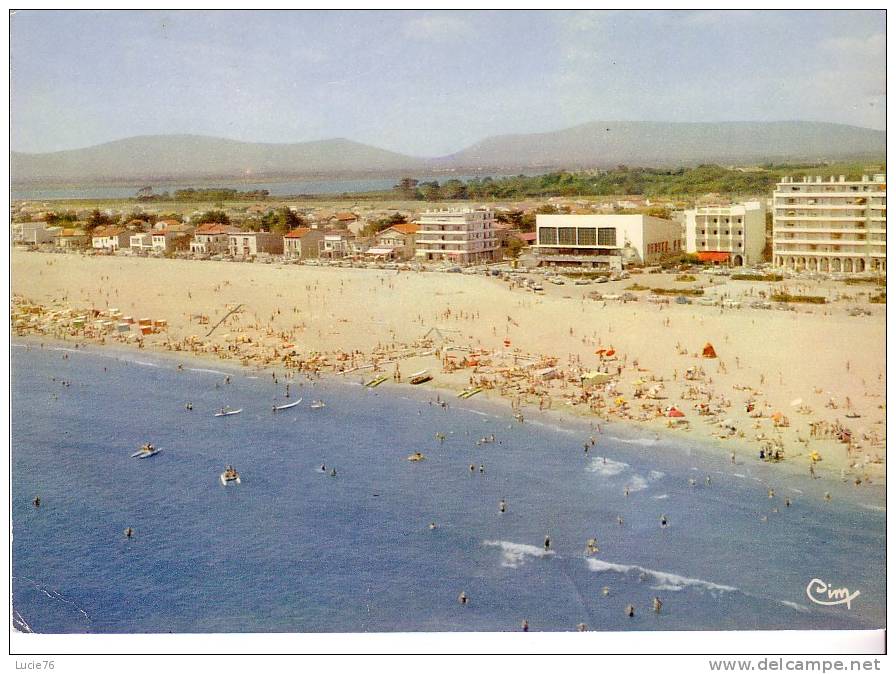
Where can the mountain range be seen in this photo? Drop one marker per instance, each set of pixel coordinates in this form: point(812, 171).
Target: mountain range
point(592, 145)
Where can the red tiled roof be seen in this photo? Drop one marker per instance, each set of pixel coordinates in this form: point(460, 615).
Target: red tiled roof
point(346, 217)
point(527, 237)
point(297, 233)
point(110, 231)
point(214, 228)
point(406, 228)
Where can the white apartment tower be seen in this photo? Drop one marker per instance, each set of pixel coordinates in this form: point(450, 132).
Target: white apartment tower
point(831, 225)
point(462, 236)
point(732, 234)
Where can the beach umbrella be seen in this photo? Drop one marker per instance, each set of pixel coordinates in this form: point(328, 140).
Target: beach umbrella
point(610, 352)
point(674, 413)
point(709, 351)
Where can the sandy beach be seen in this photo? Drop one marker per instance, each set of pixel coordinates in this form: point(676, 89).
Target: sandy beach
point(795, 382)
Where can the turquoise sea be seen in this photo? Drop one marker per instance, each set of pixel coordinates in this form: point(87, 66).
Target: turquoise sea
point(295, 549)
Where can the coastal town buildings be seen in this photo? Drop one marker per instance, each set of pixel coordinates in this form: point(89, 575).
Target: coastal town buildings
point(733, 234)
point(302, 243)
point(212, 238)
point(111, 238)
point(831, 225)
point(33, 233)
point(336, 244)
point(461, 236)
point(141, 242)
point(72, 239)
point(251, 244)
point(604, 241)
point(400, 238)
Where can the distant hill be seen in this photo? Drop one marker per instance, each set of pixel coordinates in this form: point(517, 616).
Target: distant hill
point(593, 145)
point(183, 156)
point(662, 144)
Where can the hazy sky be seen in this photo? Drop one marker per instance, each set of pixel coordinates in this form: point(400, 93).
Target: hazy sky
point(430, 83)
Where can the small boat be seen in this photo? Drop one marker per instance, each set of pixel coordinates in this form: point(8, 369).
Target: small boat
point(145, 452)
point(420, 377)
point(416, 456)
point(230, 476)
point(318, 405)
point(228, 412)
point(373, 383)
point(277, 408)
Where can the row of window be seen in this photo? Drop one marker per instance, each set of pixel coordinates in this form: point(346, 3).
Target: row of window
point(577, 236)
point(726, 232)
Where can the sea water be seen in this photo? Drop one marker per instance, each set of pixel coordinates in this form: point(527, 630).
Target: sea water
point(294, 549)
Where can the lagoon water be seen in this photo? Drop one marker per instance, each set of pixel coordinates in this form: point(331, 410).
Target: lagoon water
point(332, 186)
point(292, 549)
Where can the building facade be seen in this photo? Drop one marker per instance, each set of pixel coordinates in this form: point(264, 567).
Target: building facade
point(212, 239)
point(250, 244)
point(401, 238)
point(111, 238)
point(604, 241)
point(302, 243)
point(733, 234)
point(831, 225)
point(461, 236)
point(336, 244)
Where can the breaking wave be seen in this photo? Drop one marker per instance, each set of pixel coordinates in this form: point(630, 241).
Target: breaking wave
point(514, 554)
point(661, 580)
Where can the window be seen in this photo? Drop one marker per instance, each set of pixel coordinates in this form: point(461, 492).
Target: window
point(587, 236)
point(567, 236)
point(547, 236)
point(606, 236)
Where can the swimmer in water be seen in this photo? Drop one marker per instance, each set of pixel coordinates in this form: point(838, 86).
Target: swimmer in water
point(582, 627)
point(36, 501)
point(787, 502)
point(481, 468)
point(472, 468)
point(547, 543)
point(189, 406)
point(129, 533)
point(333, 473)
point(657, 604)
point(323, 468)
point(692, 482)
point(827, 496)
point(619, 520)
point(432, 525)
point(462, 598)
point(606, 591)
point(664, 522)
point(771, 493)
point(626, 491)
point(630, 611)
point(591, 546)
point(502, 506)
point(708, 480)
point(525, 626)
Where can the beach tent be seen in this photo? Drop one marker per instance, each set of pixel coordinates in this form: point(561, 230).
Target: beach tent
point(709, 351)
point(674, 413)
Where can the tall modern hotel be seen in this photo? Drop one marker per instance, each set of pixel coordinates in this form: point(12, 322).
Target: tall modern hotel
point(831, 225)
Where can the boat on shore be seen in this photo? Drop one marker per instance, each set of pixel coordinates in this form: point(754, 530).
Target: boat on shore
point(420, 377)
point(278, 408)
point(227, 412)
point(230, 476)
point(373, 383)
point(145, 452)
point(469, 392)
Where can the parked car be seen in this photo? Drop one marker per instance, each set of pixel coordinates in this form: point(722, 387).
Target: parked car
point(557, 281)
point(581, 282)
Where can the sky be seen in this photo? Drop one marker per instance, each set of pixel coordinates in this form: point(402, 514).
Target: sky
point(429, 83)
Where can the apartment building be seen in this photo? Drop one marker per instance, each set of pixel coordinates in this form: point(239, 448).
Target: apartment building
point(604, 241)
point(832, 225)
point(732, 234)
point(460, 236)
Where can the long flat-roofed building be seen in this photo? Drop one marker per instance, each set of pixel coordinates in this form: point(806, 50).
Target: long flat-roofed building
point(832, 225)
point(463, 236)
point(733, 234)
point(605, 241)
